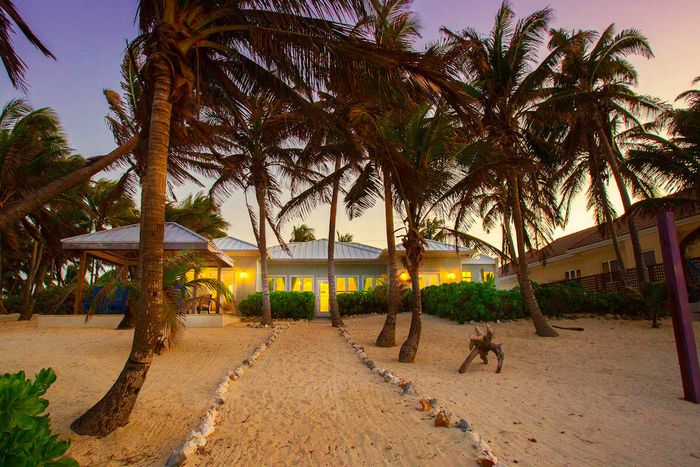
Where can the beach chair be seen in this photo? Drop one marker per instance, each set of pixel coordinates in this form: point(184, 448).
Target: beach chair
point(88, 301)
point(118, 304)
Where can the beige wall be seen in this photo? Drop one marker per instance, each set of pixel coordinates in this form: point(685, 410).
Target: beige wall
point(590, 260)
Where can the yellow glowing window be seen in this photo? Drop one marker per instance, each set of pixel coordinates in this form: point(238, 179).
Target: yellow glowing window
point(296, 283)
point(279, 284)
point(466, 276)
point(352, 284)
point(308, 284)
point(421, 281)
point(340, 285)
point(368, 283)
point(486, 275)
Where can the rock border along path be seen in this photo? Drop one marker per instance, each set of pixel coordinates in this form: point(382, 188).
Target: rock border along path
point(198, 437)
point(486, 457)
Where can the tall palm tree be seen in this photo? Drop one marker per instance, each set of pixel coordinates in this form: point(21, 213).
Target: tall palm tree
point(302, 233)
point(423, 148)
point(262, 159)
point(14, 65)
point(344, 238)
point(499, 69)
point(595, 83)
point(196, 51)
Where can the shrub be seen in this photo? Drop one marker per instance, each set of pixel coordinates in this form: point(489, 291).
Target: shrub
point(25, 435)
point(363, 301)
point(285, 305)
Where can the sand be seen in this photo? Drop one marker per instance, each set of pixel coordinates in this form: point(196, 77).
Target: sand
point(610, 395)
point(179, 388)
point(309, 401)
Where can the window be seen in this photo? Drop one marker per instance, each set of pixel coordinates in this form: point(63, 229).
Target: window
point(572, 274)
point(276, 283)
point(610, 266)
point(649, 257)
point(345, 284)
point(352, 284)
point(367, 283)
point(486, 275)
point(301, 284)
point(428, 279)
point(340, 283)
point(466, 276)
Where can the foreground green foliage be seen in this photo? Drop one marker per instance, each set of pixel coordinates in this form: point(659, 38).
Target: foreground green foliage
point(285, 305)
point(25, 436)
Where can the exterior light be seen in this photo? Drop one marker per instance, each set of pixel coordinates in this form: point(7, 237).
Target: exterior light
point(243, 274)
point(403, 276)
point(451, 276)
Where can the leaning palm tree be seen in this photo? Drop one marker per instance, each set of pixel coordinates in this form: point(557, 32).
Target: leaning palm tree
point(302, 233)
point(594, 87)
point(199, 213)
point(14, 65)
point(508, 87)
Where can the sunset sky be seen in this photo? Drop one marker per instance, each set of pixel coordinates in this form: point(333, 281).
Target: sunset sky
point(88, 38)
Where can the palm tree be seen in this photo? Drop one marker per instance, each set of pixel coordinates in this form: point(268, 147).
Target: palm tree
point(14, 65)
point(506, 152)
point(262, 159)
point(198, 52)
point(423, 148)
point(595, 92)
point(433, 229)
point(33, 153)
point(302, 233)
point(344, 238)
point(199, 213)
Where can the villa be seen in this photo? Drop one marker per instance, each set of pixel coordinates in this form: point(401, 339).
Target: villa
point(300, 267)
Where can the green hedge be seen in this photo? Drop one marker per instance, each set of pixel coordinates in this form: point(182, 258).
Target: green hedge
point(474, 301)
point(285, 305)
point(357, 303)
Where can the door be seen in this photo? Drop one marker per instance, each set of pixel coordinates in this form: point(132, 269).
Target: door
point(323, 296)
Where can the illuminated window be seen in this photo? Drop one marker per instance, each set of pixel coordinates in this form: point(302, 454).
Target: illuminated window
point(279, 284)
point(352, 284)
point(340, 285)
point(368, 283)
point(296, 283)
point(426, 280)
point(308, 284)
point(466, 276)
point(486, 275)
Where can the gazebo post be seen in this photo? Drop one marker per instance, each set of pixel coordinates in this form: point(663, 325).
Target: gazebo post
point(77, 303)
point(680, 307)
point(218, 295)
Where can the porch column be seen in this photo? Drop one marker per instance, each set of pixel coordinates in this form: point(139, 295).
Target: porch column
point(78, 302)
point(218, 295)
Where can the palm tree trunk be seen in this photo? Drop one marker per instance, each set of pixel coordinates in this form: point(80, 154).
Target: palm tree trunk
point(387, 337)
point(262, 249)
point(3, 310)
point(414, 252)
point(336, 320)
point(642, 273)
point(114, 409)
point(15, 211)
point(25, 311)
point(542, 327)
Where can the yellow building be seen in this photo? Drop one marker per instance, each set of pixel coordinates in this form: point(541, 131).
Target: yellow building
point(589, 252)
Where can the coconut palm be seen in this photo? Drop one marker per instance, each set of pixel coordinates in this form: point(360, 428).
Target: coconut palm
point(595, 93)
point(344, 238)
point(508, 86)
point(302, 233)
point(261, 161)
point(14, 65)
point(199, 213)
point(423, 148)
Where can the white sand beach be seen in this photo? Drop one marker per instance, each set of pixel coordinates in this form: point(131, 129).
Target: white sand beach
point(608, 395)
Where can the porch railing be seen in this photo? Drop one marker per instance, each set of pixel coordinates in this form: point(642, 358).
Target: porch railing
point(611, 280)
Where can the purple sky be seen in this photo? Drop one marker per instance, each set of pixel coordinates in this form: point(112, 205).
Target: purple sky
point(88, 38)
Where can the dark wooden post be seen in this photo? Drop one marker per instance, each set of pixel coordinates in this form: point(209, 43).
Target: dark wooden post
point(218, 295)
point(680, 307)
point(78, 302)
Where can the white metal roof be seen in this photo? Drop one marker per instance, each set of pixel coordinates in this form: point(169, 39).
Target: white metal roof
point(318, 250)
point(177, 237)
point(234, 244)
point(481, 259)
point(433, 246)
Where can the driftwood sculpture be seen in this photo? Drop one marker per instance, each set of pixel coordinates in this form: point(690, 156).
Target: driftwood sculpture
point(481, 344)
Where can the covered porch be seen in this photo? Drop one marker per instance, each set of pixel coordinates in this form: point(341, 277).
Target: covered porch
point(120, 247)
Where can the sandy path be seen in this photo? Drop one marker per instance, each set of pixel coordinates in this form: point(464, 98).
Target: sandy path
point(178, 391)
point(309, 401)
point(607, 396)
